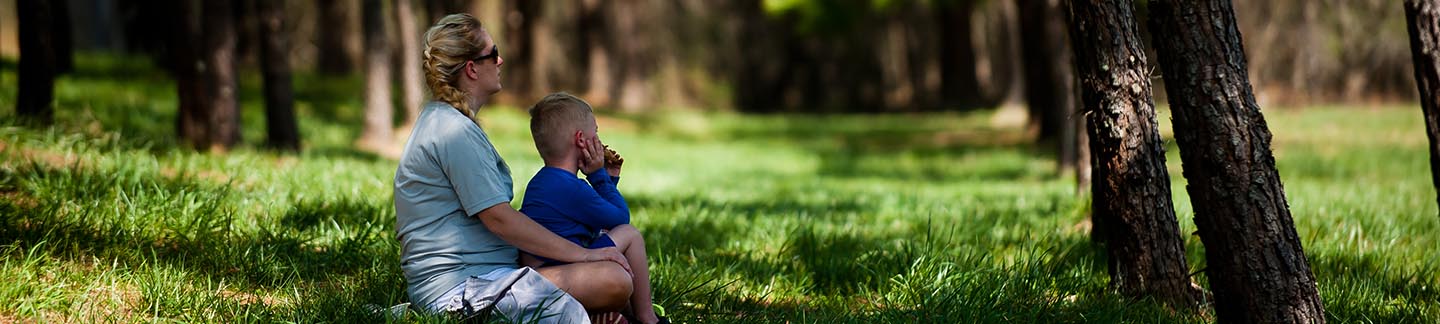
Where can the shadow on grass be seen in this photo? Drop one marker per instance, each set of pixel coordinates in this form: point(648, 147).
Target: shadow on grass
point(936, 148)
point(937, 165)
point(856, 279)
point(194, 229)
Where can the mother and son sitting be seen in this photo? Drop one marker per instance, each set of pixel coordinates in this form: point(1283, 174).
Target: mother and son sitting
point(462, 241)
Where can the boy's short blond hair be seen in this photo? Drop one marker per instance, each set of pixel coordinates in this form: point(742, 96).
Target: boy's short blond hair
point(554, 119)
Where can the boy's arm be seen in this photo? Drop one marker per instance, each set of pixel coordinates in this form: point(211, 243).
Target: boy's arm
point(604, 202)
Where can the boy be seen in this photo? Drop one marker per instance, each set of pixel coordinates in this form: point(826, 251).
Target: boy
point(592, 215)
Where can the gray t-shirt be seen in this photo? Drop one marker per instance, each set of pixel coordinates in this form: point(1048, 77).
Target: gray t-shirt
point(448, 172)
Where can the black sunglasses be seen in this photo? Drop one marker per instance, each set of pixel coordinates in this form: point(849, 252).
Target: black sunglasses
point(494, 53)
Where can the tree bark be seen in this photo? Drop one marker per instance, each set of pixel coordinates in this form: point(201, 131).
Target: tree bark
point(209, 115)
point(379, 111)
point(281, 130)
point(1423, 17)
point(594, 40)
point(1049, 81)
point(524, 16)
point(959, 87)
point(336, 37)
point(1131, 186)
point(436, 9)
point(219, 74)
point(192, 120)
point(38, 56)
point(410, 75)
point(1256, 264)
point(62, 36)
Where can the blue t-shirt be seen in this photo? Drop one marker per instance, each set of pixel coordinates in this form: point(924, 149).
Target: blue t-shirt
point(448, 173)
point(572, 209)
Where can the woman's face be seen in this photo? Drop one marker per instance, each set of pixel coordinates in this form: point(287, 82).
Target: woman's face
point(486, 70)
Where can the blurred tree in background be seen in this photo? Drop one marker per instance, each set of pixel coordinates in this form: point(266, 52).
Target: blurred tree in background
point(811, 56)
point(44, 28)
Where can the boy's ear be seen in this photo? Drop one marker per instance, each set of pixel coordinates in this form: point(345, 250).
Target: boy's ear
point(578, 138)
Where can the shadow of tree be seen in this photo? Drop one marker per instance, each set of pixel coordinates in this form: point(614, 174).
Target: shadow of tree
point(197, 232)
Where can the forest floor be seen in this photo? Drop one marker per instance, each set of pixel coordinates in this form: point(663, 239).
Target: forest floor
point(937, 217)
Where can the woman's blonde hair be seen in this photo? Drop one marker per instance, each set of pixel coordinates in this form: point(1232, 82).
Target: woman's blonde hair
point(453, 40)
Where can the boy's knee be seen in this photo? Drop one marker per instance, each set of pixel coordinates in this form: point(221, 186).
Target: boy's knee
point(626, 232)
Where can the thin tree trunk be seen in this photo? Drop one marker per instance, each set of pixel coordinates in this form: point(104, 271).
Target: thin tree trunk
point(1084, 170)
point(521, 54)
point(960, 88)
point(410, 77)
point(280, 126)
point(379, 110)
point(38, 52)
point(1255, 261)
point(63, 35)
point(1423, 17)
point(595, 42)
point(219, 74)
point(336, 37)
point(1131, 185)
point(436, 9)
point(193, 120)
point(209, 115)
point(1049, 81)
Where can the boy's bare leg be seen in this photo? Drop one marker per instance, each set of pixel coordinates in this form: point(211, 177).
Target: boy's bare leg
point(630, 243)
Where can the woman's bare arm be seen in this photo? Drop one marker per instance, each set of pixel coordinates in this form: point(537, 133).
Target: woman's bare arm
point(598, 278)
point(512, 226)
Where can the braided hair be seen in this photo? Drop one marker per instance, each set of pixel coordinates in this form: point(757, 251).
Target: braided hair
point(448, 45)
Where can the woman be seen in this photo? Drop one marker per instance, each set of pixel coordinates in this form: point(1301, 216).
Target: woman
point(457, 229)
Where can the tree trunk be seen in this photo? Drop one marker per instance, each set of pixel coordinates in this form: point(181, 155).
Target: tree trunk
point(1084, 162)
point(379, 110)
point(998, 71)
point(595, 42)
point(38, 55)
point(436, 9)
point(63, 36)
point(209, 115)
point(410, 76)
point(1423, 17)
point(336, 38)
point(1256, 264)
point(219, 75)
point(1131, 186)
point(1049, 81)
point(520, 55)
point(959, 87)
point(192, 120)
point(281, 130)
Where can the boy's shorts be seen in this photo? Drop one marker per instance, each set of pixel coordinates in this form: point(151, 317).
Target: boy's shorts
point(515, 295)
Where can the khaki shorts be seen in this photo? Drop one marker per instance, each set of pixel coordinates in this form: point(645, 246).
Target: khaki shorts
point(512, 295)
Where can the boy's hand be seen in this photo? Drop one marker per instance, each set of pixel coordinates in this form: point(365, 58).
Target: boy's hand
point(592, 155)
point(613, 161)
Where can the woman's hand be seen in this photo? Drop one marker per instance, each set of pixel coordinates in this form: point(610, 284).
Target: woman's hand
point(606, 254)
point(592, 155)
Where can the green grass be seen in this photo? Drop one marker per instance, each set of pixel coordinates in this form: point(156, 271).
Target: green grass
point(858, 218)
